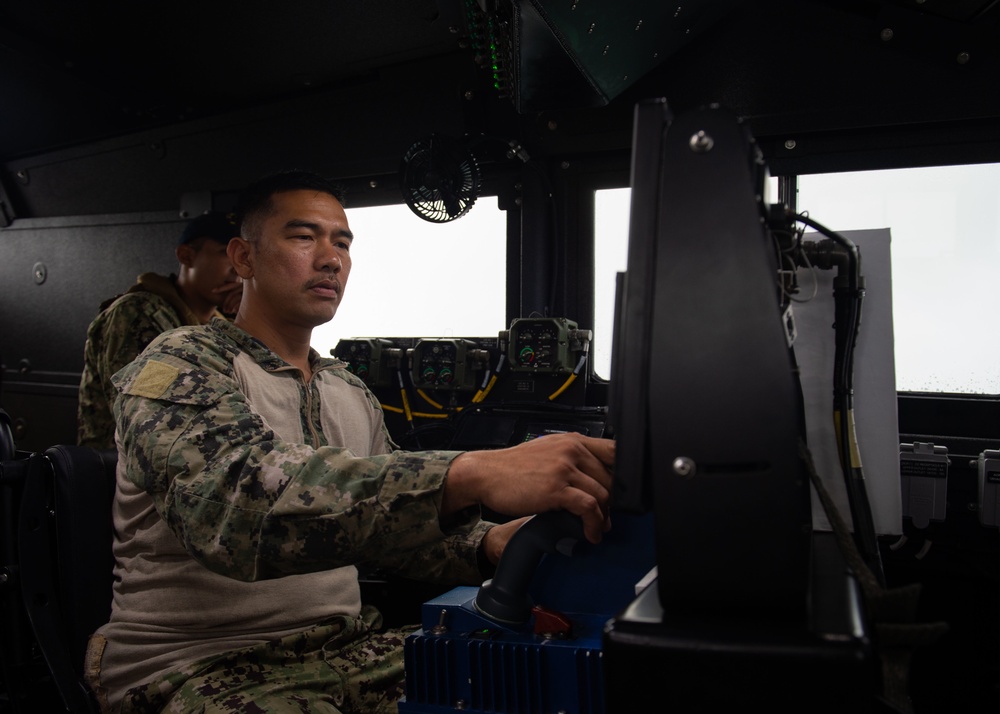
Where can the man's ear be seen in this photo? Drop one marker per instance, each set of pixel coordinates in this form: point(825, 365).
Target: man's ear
point(240, 254)
point(185, 254)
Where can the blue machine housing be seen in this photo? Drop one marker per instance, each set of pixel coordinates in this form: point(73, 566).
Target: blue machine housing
point(462, 659)
point(477, 665)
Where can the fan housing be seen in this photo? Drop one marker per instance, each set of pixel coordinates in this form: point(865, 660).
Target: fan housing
point(440, 178)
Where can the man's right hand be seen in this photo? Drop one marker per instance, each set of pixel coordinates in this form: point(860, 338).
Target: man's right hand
point(560, 471)
point(230, 295)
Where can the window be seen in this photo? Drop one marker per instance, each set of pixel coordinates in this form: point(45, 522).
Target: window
point(413, 278)
point(945, 225)
point(611, 219)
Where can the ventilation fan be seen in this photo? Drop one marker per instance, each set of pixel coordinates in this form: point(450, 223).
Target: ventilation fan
point(440, 178)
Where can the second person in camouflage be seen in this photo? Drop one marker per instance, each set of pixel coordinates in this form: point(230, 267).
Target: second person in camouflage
point(126, 324)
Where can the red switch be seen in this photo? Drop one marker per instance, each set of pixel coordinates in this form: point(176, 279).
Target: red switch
point(549, 623)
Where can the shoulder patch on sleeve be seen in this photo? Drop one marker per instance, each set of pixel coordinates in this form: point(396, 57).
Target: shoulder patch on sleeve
point(171, 380)
point(153, 380)
point(180, 366)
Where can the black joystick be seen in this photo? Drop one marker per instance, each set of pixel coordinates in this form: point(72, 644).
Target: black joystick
point(504, 598)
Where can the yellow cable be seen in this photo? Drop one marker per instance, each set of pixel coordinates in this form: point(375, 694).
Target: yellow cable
point(430, 401)
point(564, 387)
point(852, 440)
point(406, 406)
point(481, 394)
point(421, 415)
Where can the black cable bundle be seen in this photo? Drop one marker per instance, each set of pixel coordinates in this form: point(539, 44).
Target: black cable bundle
point(848, 295)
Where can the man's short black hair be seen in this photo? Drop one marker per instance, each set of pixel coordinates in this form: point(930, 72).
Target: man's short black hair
point(255, 203)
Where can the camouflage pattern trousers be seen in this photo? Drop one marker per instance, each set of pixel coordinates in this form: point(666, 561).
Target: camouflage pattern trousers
point(339, 667)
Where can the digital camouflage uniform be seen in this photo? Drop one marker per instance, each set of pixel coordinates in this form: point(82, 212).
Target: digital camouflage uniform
point(245, 499)
point(122, 329)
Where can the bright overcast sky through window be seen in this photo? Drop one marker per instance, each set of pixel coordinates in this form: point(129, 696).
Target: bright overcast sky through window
point(413, 278)
point(945, 227)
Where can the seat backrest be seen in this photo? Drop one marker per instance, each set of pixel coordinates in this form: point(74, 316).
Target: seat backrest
point(7, 449)
point(22, 666)
point(83, 489)
point(66, 560)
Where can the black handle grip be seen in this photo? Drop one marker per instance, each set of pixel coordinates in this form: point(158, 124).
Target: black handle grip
point(504, 598)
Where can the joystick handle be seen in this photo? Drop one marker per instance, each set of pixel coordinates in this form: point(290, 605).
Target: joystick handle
point(504, 598)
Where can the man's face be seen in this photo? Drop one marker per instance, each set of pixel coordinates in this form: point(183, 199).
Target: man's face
point(302, 259)
point(210, 270)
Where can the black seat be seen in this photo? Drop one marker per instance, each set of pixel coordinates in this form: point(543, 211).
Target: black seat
point(65, 560)
point(27, 683)
point(7, 448)
point(84, 480)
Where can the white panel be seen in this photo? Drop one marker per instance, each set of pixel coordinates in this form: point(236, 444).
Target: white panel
point(874, 382)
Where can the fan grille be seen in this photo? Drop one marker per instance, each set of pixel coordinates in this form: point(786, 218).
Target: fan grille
point(440, 179)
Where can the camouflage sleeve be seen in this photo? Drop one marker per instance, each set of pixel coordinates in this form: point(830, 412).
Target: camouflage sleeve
point(114, 339)
point(451, 561)
point(132, 323)
point(250, 506)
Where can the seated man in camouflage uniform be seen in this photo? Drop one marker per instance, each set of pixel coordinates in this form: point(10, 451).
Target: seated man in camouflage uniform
point(254, 476)
point(126, 323)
